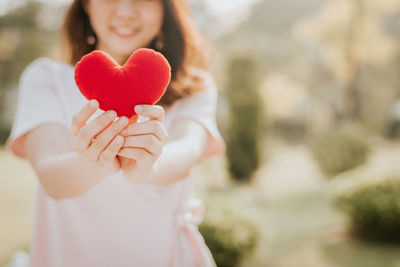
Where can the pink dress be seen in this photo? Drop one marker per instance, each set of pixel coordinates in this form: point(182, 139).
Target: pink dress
point(114, 223)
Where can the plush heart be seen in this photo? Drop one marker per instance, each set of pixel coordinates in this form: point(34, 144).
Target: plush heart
point(143, 79)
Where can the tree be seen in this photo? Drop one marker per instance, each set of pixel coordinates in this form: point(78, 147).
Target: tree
point(245, 127)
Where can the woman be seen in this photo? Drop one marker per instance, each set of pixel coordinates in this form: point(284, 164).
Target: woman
point(113, 194)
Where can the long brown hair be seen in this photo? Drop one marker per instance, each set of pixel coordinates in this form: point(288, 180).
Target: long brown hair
point(185, 48)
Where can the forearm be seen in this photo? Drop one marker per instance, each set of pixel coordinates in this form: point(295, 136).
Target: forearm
point(175, 162)
point(68, 174)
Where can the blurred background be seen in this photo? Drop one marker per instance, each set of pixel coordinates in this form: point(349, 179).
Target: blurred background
point(309, 106)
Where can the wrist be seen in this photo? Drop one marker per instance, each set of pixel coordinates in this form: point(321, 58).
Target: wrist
point(104, 170)
point(142, 176)
point(153, 175)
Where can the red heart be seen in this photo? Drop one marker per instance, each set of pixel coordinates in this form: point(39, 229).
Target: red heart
point(143, 79)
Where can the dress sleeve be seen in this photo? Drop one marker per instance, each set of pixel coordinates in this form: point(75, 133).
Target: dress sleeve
point(37, 102)
point(201, 107)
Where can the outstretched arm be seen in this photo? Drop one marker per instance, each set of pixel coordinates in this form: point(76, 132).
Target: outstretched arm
point(188, 140)
point(146, 156)
point(69, 170)
point(62, 172)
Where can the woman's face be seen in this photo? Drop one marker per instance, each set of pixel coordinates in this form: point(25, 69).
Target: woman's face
point(122, 26)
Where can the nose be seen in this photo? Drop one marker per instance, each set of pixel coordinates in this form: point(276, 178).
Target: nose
point(126, 9)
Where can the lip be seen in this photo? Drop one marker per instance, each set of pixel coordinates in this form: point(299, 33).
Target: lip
point(125, 36)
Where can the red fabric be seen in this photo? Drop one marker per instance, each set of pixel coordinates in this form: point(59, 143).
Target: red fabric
point(143, 79)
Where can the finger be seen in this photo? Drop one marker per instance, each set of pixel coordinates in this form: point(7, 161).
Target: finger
point(155, 112)
point(112, 149)
point(79, 119)
point(148, 142)
point(133, 119)
point(147, 127)
point(87, 133)
point(137, 154)
point(105, 138)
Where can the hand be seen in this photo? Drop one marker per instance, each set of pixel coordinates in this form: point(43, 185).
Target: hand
point(98, 140)
point(144, 142)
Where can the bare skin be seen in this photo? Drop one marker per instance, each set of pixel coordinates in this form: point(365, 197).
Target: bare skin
point(67, 170)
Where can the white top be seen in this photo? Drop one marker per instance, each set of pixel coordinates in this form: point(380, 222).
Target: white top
point(115, 223)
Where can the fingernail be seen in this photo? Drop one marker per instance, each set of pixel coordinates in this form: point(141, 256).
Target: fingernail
point(119, 139)
point(111, 114)
point(93, 103)
point(123, 120)
point(138, 108)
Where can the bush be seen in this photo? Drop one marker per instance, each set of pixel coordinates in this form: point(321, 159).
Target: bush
point(245, 130)
point(339, 151)
point(4, 134)
point(374, 209)
point(230, 237)
point(290, 129)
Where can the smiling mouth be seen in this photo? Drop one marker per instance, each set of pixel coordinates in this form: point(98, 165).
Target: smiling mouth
point(125, 33)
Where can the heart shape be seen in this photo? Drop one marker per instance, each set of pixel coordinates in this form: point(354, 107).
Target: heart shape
point(143, 79)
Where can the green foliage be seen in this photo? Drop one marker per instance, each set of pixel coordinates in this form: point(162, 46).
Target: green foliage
point(339, 151)
point(245, 127)
point(290, 129)
point(230, 237)
point(374, 209)
point(22, 40)
point(4, 133)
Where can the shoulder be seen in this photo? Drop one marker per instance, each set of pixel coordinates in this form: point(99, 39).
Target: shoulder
point(41, 74)
point(40, 65)
point(38, 71)
point(43, 67)
point(203, 100)
point(209, 92)
point(206, 77)
point(207, 85)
